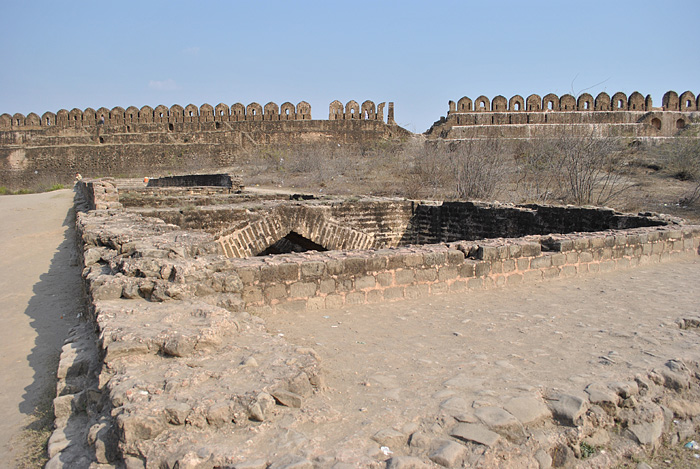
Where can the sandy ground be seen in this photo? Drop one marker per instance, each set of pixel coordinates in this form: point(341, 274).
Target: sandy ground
point(39, 301)
point(391, 366)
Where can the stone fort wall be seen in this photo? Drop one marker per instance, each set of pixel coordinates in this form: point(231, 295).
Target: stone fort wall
point(618, 115)
point(118, 141)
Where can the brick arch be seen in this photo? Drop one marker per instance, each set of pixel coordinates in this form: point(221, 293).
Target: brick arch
point(670, 101)
point(482, 103)
point(271, 112)
point(534, 102)
point(552, 100)
point(6, 120)
point(310, 223)
point(602, 102)
point(567, 103)
point(635, 102)
point(518, 102)
point(618, 102)
point(336, 111)
point(465, 105)
point(160, 114)
point(499, 104)
point(368, 110)
point(687, 102)
point(585, 102)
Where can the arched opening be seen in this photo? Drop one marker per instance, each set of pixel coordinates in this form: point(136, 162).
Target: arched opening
point(517, 106)
point(171, 127)
point(656, 122)
point(620, 104)
point(218, 125)
point(550, 105)
point(482, 105)
point(102, 140)
point(688, 103)
point(292, 242)
point(587, 106)
point(680, 124)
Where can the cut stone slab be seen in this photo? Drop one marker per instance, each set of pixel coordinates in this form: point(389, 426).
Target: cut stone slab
point(475, 433)
point(390, 437)
point(501, 422)
point(287, 398)
point(449, 455)
point(647, 433)
point(567, 408)
point(603, 396)
point(528, 409)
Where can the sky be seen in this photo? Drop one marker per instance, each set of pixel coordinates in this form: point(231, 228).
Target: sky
point(67, 54)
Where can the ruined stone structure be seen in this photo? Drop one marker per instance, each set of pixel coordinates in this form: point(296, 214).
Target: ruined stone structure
point(172, 370)
point(118, 141)
point(618, 115)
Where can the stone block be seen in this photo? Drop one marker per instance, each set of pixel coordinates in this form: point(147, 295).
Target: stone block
point(376, 263)
point(597, 242)
point(467, 270)
point(487, 253)
point(607, 266)
point(552, 272)
point(294, 306)
point(249, 274)
point(326, 286)
point(455, 257)
point(385, 279)
point(354, 266)
point(275, 292)
point(558, 259)
point(569, 271)
point(439, 288)
point(581, 244)
point(531, 249)
point(458, 286)
point(302, 289)
point(375, 296)
point(355, 298)
point(394, 293)
point(413, 260)
point(541, 262)
point(404, 277)
point(585, 257)
point(334, 267)
point(417, 291)
point(515, 250)
point(316, 303)
point(447, 273)
point(475, 283)
point(334, 301)
point(427, 275)
point(252, 294)
point(572, 257)
point(508, 266)
point(435, 258)
point(532, 275)
point(482, 268)
point(367, 281)
point(496, 267)
point(313, 269)
point(523, 263)
point(514, 279)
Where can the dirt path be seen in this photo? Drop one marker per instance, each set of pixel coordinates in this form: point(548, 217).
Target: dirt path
point(392, 365)
point(39, 301)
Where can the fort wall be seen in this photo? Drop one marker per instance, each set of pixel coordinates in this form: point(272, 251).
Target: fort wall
point(123, 141)
point(618, 115)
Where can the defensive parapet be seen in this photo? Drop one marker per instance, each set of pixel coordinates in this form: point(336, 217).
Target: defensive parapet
point(174, 114)
point(536, 116)
point(151, 141)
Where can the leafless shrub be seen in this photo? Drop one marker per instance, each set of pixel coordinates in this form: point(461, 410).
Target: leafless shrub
point(577, 169)
point(463, 170)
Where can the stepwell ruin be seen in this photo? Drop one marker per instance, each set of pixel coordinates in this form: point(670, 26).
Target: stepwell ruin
point(175, 367)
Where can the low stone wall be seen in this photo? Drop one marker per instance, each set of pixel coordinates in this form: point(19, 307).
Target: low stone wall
point(99, 194)
point(332, 280)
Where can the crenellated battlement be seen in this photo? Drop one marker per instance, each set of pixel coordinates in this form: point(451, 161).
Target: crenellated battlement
point(686, 102)
point(205, 113)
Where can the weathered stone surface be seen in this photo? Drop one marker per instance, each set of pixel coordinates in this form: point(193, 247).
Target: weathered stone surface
point(390, 437)
point(450, 455)
point(567, 408)
point(287, 398)
point(528, 409)
point(544, 460)
point(476, 433)
point(406, 462)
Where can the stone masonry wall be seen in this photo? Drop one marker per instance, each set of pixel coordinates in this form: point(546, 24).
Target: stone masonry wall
point(292, 283)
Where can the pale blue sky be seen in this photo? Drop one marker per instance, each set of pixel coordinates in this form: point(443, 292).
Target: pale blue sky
point(60, 54)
